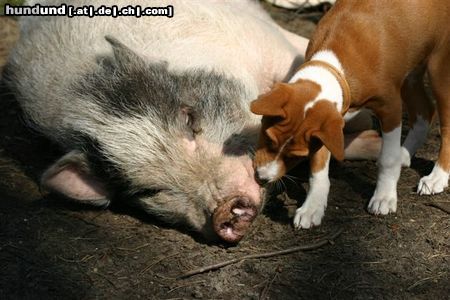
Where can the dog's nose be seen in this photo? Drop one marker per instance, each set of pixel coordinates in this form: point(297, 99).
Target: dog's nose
point(259, 180)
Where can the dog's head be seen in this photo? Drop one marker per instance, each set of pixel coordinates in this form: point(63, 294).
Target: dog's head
point(295, 124)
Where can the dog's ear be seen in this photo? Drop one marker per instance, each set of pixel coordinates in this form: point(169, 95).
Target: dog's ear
point(272, 104)
point(326, 125)
point(332, 137)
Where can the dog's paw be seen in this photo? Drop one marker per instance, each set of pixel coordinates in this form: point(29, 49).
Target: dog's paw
point(406, 158)
point(309, 215)
point(434, 183)
point(383, 204)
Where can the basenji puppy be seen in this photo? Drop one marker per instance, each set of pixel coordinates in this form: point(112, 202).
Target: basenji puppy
point(363, 54)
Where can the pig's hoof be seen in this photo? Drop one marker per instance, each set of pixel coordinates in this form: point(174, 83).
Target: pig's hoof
point(383, 204)
point(309, 215)
point(232, 219)
point(434, 183)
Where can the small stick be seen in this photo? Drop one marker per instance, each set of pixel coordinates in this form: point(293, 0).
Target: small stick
point(263, 255)
point(185, 285)
point(106, 278)
point(156, 262)
point(135, 248)
point(80, 219)
point(265, 291)
point(438, 206)
point(420, 282)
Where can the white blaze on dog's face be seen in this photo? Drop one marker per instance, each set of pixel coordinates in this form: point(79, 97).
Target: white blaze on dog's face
point(289, 132)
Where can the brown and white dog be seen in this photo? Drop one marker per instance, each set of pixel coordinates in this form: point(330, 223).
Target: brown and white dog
point(364, 54)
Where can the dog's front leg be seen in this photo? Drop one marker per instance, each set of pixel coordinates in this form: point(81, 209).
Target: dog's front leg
point(313, 209)
point(384, 199)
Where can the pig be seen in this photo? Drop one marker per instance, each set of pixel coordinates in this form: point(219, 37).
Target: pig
point(154, 111)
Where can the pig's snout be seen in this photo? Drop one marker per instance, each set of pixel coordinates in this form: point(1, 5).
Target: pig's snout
point(232, 219)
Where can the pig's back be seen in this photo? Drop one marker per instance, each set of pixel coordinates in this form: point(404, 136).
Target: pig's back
point(53, 52)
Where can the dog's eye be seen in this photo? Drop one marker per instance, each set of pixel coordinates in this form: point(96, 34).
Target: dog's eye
point(271, 145)
point(276, 120)
point(270, 140)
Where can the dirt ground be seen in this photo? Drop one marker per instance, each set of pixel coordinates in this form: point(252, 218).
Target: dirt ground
point(51, 249)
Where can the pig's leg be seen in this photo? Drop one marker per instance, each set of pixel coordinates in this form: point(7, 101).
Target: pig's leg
point(313, 210)
point(357, 121)
point(361, 142)
point(362, 145)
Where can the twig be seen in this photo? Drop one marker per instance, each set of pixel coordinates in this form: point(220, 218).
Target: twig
point(80, 219)
point(105, 278)
point(265, 291)
point(264, 255)
point(68, 260)
point(420, 282)
point(185, 285)
point(156, 262)
point(135, 248)
point(85, 258)
point(438, 206)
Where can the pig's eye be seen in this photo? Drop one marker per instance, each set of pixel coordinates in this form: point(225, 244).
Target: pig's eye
point(193, 123)
point(191, 120)
point(145, 193)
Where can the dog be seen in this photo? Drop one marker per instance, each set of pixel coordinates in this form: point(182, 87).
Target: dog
point(363, 54)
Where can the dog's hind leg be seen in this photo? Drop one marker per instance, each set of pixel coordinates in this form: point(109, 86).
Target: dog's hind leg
point(420, 113)
point(439, 71)
point(420, 109)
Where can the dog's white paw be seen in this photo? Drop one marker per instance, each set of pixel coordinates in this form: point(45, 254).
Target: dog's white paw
point(309, 215)
point(383, 203)
point(406, 158)
point(434, 183)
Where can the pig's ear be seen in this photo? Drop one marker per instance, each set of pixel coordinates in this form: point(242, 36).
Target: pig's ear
point(272, 103)
point(123, 55)
point(71, 177)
